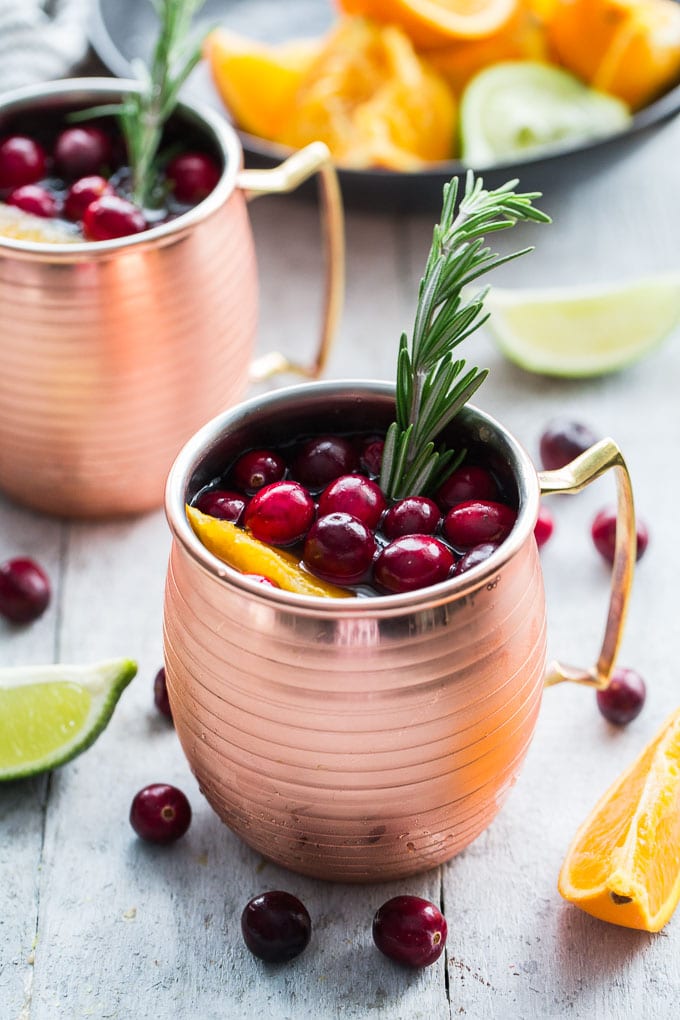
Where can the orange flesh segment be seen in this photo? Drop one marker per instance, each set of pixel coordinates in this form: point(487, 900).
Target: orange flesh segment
point(432, 23)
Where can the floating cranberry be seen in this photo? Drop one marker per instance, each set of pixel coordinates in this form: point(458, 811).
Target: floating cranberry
point(193, 176)
point(473, 557)
point(276, 926)
point(415, 515)
point(322, 459)
point(223, 504)
point(410, 930)
point(260, 579)
point(24, 590)
point(160, 694)
point(478, 521)
point(339, 549)
point(81, 151)
point(111, 216)
point(466, 483)
point(545, 525)
point(562, 440)
point(83, 193)
point(280, 513)
point(354, 495)
point(622, 700)
point(412, 562)
point(371, 454)
point(257, 468)
point(603, 533)
point(35, 199)
point(22, 161)
point(160, 813)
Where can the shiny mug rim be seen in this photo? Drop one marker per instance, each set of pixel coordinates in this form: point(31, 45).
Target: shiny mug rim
point(195, 450)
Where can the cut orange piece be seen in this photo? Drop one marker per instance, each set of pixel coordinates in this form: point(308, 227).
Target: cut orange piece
point(238, 549)
point(623, 865)
point(432, 23)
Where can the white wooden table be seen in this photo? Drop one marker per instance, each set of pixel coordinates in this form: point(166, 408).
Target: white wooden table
point(93, 923)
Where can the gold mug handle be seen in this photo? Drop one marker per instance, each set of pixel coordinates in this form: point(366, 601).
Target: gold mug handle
point(572, 478)
point(289, 175)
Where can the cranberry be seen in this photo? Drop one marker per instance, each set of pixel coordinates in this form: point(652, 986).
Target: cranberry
point(339, 549)
point(466, 483)
point(160, 813)
point(24, 590)
point(603, 533)
point(160, 694)
point(544, 527)
point(354, 495)
point(473, 557)
point(22, 161)
point(410, 930)
point(111, 216)
point(35, 199)
point(258, 468)
point(562, 440)
point(225, 505)
point(84, 192)
point(81, 151)
point(322, 459)
point(371, 454)
point(622, 700)
point(193, 176)
point(280, 514)
point(411, 562)
point(266, 582)
point(276, 926)
point(415, 515)
point(477, 521)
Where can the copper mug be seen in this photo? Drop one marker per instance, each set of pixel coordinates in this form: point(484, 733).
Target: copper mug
point(113, 353)
point(366, 739)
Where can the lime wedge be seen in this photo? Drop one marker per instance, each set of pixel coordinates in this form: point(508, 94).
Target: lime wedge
point(519, 106)
point(49, 714)
point(584, 331)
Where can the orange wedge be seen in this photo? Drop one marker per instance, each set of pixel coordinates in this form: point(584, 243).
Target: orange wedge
point(623, 865)
point(238, 549)
point(432, 23)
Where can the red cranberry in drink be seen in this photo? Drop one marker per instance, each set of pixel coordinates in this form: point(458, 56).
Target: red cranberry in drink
point(280, 514)
point(24, 590)
point(35, 199)
point(466, 483)
point(83, 193)
point(193, 175)
point(603, 533)
point(415, 515)
point(160, 813)
point(545, 525)
point(160, 694)
point(354, 495)
point(410, 930)
point(223, 504)
point(265, 582)
point(22, 161)
point(81, 151)
point(370, 455)
point(412, 562)
point(257, 468)
point(473, 557)
point(622, 700)
point(339, 549)
point(478, 521)
point(111, 216)
point(562, 440)
point(322, 459)
point(276, 926)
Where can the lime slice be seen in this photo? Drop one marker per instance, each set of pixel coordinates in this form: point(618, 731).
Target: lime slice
point(516, 107)
point(49, 714)
point(584, 331)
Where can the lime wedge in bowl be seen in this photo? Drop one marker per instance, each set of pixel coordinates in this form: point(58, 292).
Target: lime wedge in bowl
point(49, 714)
point(583, 331)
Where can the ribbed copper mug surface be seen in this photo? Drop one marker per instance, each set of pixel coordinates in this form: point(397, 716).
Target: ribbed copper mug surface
point(361, 739)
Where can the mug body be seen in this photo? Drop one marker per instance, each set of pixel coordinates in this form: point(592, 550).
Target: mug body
point(115, 352)
point(361, 739)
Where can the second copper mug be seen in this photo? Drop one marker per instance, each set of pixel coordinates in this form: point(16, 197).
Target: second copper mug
point(113, 353)
point(366, 739)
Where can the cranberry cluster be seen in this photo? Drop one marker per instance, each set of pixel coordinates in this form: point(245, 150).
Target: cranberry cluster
point(81, 178)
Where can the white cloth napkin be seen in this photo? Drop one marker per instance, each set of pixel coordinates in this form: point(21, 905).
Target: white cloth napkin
point(41, 39)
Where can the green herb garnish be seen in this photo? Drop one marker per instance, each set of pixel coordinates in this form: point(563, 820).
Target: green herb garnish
point(431, 385)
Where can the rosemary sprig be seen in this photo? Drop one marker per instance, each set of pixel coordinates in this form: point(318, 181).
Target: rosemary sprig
point(432, 385)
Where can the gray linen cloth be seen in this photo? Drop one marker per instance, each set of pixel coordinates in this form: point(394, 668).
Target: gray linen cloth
point(41, 39)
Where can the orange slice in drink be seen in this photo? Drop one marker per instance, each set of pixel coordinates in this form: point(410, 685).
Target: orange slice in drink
point(623, 865)
point(23, 226)
point(432, 23)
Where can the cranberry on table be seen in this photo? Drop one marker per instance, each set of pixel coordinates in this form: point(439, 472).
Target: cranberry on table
point(22, 161)
point(562, 440)
point(473, 557)
point(322, 459)
point(603, 532)
point(414, 515)
point(370, 455)
point(544, 527)
point(83, 193)
point(276, 926)
point(193, 175)
point(24, 590)
point(160, 813)
point(111, 216)
point(280, 513)
point(622, 700)
point(339, 549)
point(223, 504)
point(257, 468)
point(35, 199)
point(412, 562)
point(354, 495)
point(160, 694)
point(478, 521)
point(466, 483)
point(410, 930)
point(83, 150)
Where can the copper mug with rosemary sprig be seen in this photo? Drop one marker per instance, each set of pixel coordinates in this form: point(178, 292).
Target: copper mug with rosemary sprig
point(368, 738)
